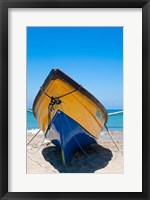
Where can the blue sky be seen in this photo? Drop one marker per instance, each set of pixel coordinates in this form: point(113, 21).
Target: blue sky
point(92, 56)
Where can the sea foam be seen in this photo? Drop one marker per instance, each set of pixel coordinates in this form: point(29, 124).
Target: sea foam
point(34, 131)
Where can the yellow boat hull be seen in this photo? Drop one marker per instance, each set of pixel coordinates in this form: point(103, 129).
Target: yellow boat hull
point(76, 102)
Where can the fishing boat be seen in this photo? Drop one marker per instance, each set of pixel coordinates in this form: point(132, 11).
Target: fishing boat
point(68, 114)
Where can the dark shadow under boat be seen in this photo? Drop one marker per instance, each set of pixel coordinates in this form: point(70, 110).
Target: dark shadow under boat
point(94, 157)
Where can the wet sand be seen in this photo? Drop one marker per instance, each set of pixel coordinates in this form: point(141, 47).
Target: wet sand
point(101, 158)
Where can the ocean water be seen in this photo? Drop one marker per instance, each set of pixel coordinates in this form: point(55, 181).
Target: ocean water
point(31, 121)
point(114, 123)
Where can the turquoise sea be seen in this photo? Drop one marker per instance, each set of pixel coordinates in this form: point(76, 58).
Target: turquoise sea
point(115, 122)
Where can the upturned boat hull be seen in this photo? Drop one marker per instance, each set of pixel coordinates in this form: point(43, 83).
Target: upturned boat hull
point(76, 115)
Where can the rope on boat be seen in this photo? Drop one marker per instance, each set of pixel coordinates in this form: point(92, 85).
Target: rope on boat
point(108, 131)
point(55, 101)
point(55, 98)
point(69, 92)
point(50, 118)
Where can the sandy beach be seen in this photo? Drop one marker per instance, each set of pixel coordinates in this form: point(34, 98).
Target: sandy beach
point(101, 158)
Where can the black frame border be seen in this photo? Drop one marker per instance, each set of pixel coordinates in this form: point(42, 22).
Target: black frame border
point(4, 6)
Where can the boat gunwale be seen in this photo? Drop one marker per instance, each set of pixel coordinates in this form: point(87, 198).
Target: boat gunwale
point(58, 74)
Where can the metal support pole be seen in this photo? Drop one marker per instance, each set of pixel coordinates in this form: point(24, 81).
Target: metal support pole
point(108, 131)
point(33, 137)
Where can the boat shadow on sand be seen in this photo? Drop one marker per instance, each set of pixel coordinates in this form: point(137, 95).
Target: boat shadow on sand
point(94, 157)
